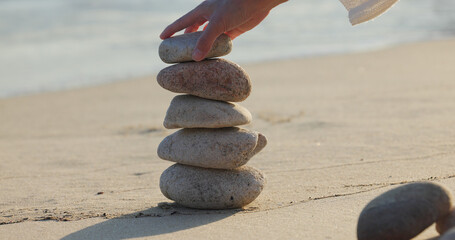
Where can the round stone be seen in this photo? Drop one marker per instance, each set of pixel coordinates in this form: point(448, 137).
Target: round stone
point(216, 79)
point(445, 223)
point(449, 235)
point(204, 188)
point(180, 48)
point(188, 111)
point(403, 212)
point(223, 148)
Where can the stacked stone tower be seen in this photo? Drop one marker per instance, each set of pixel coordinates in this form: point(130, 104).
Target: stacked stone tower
point(210, 151)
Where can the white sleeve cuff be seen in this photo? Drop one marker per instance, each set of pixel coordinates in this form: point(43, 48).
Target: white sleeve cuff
point(363, 10)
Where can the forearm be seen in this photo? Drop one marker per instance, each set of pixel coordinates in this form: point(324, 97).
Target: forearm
point(258, 5)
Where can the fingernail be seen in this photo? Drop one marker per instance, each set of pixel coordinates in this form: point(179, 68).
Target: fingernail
point(197, 55)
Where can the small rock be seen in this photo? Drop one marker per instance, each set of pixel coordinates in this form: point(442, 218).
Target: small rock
point(216, 79)
point(223, 148)
point(449, 235)
point(403, 212)
point(204, 188)
point(445, 223)
point(180, 48)
point(188, 111)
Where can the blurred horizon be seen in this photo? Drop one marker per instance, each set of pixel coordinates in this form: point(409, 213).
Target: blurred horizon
point(52, 45)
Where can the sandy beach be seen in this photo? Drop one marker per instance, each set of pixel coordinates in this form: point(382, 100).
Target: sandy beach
point(82, 164)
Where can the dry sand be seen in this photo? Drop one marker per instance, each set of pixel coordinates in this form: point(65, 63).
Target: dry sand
point(341, 130)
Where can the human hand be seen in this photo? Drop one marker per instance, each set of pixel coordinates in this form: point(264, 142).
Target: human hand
point(233, 17)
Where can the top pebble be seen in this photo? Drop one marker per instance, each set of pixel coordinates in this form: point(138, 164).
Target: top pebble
point(179, 48)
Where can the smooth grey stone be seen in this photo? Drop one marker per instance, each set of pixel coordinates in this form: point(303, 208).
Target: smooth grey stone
point(186, 111)
point(403, 212)
point(180, 48)
point(445, 223)
point(205, 188)
point(223, 148)
point(449, 235)
point(216, 79)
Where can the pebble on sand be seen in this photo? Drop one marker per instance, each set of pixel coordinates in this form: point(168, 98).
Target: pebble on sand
point(204, 188)
point(187, 111)
point(215, 79)
point(403, 212)
point(445, 223)
point(223, 148)
point(180, 48)
point(449, 235)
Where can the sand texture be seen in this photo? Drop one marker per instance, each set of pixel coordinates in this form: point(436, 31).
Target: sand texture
point(341, 130)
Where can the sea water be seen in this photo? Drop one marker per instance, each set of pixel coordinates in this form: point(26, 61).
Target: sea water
point(50, 45)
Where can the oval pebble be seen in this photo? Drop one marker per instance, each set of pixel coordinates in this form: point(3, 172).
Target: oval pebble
point(186, 111)
point(204, 188)
point(180, 48)
point(215, 79)
point(403, 212)
point(223, 148)
point(449, 235)
point(445, 223)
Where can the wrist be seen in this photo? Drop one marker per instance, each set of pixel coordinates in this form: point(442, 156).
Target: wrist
point(273, 3)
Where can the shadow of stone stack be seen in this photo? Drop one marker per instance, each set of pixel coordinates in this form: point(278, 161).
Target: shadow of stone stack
point(210, 151)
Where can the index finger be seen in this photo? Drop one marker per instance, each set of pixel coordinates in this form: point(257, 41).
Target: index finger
point(187, 20)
